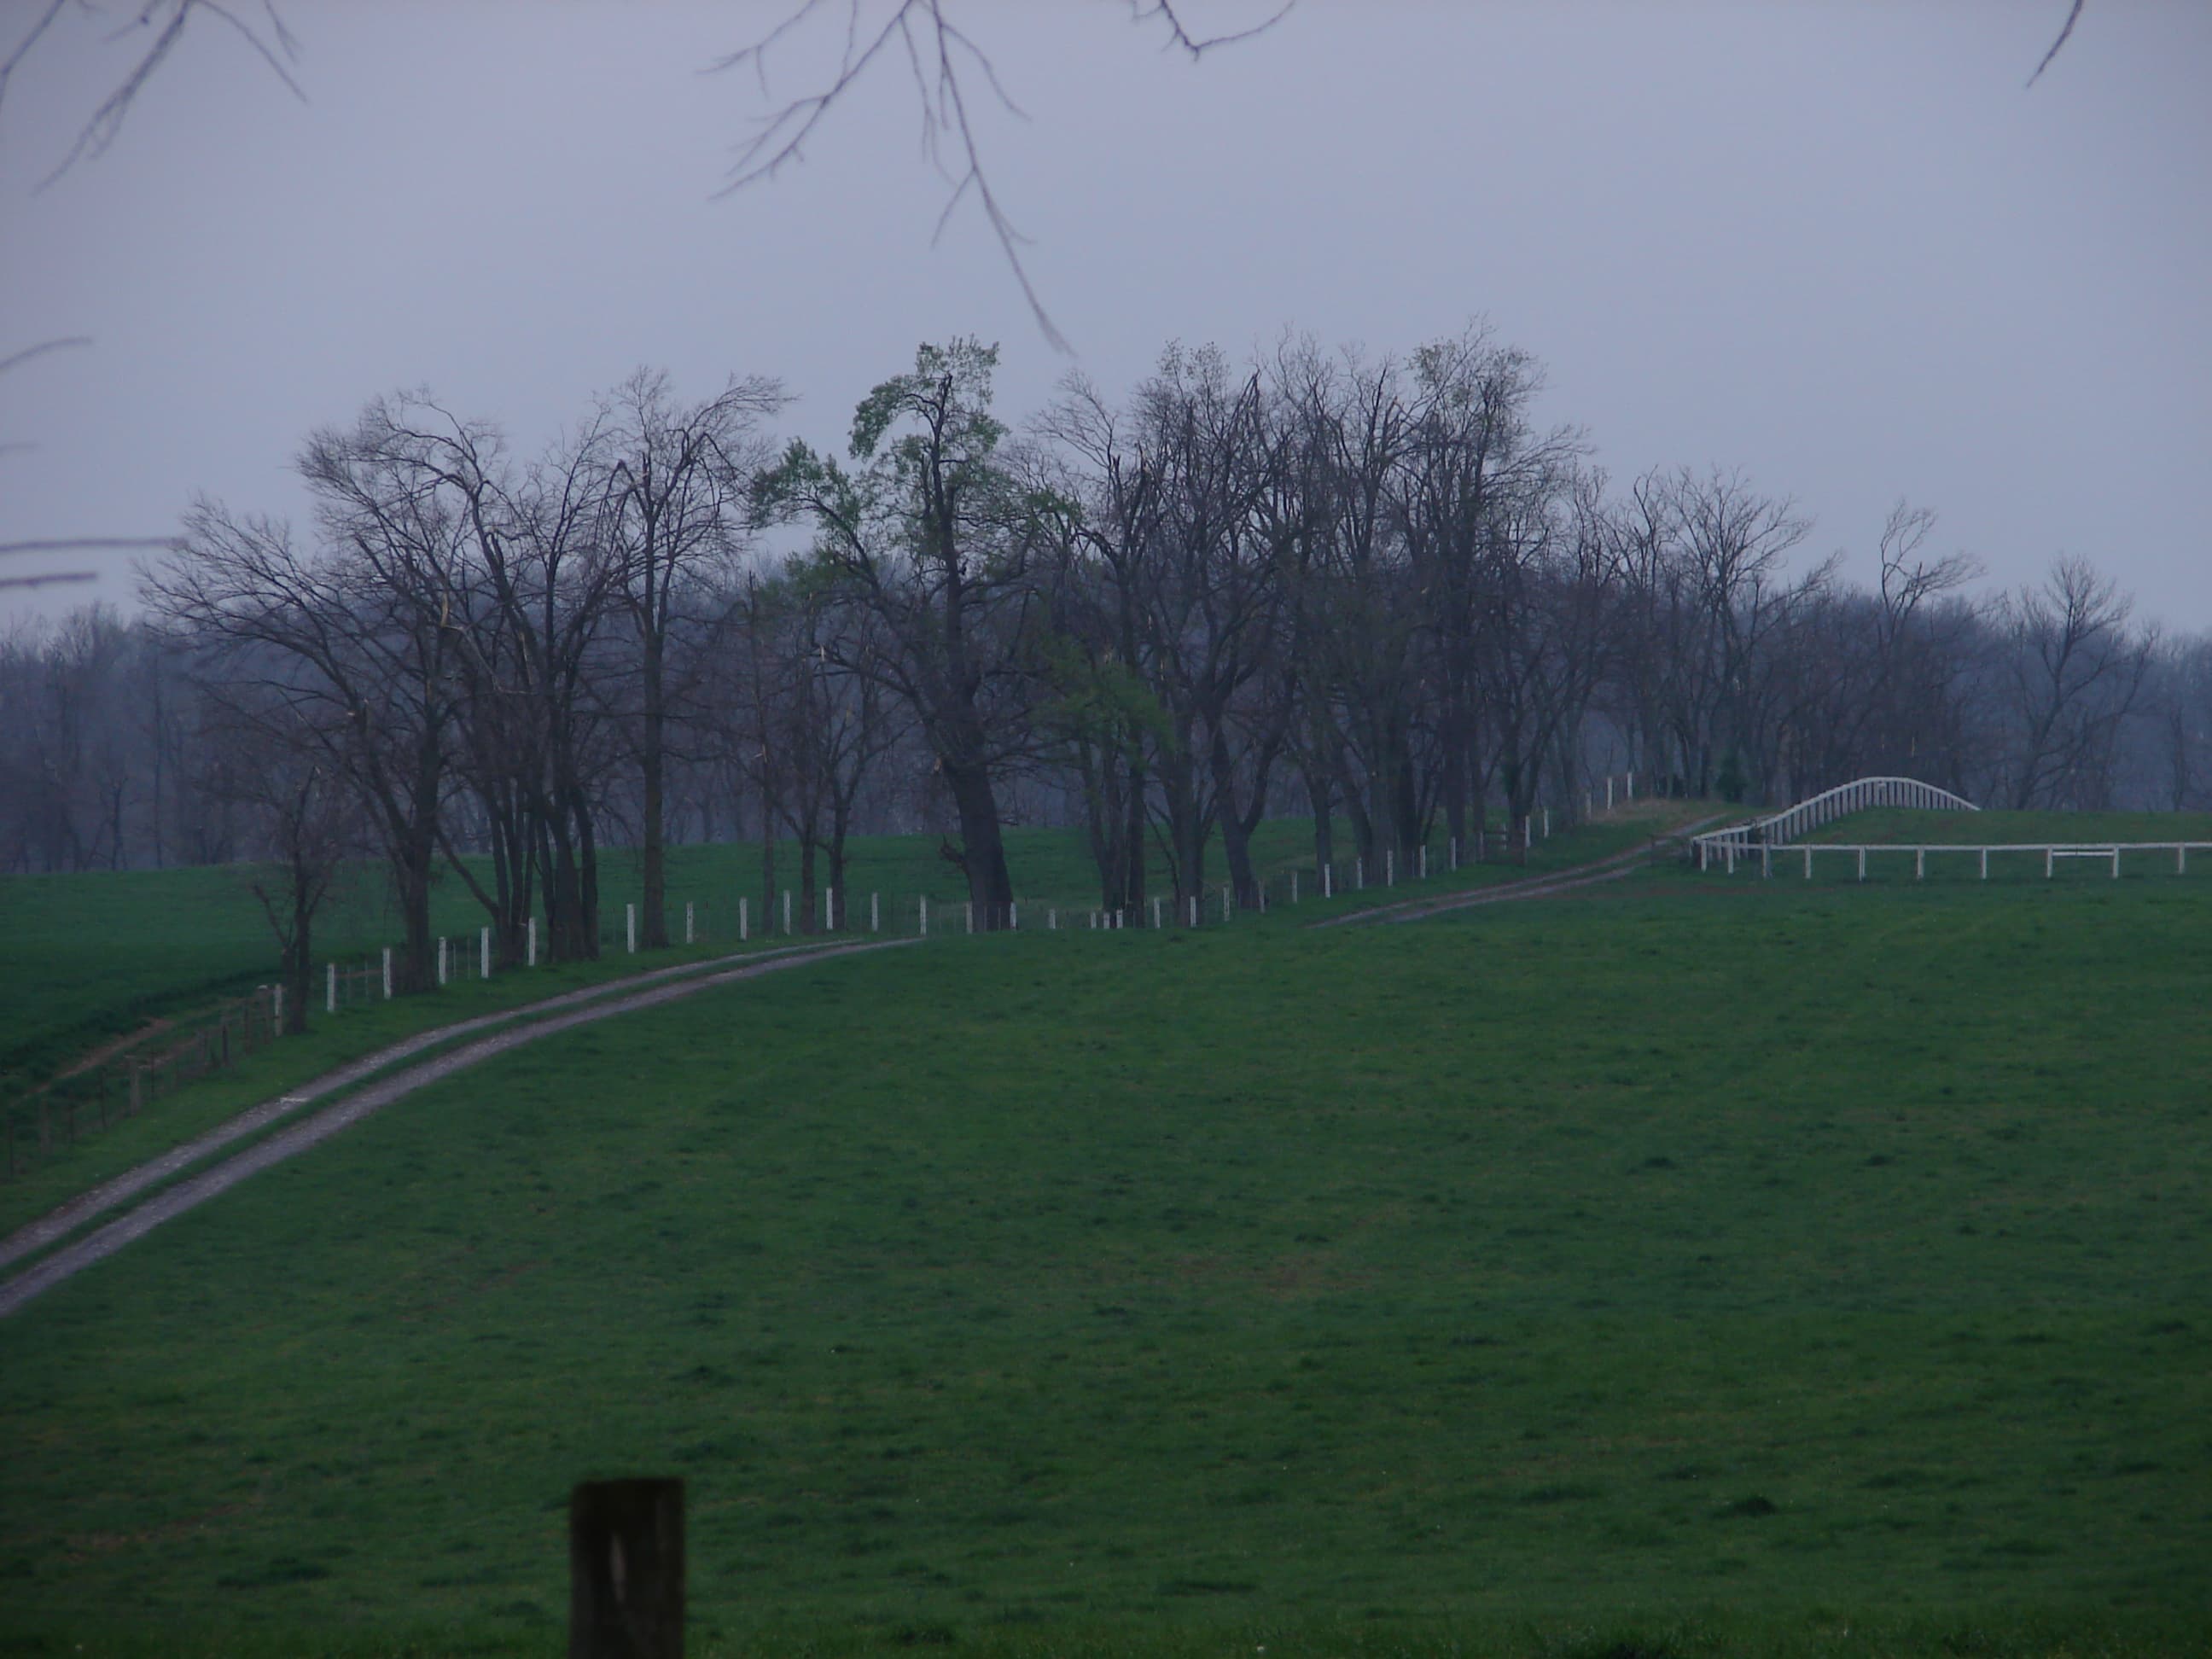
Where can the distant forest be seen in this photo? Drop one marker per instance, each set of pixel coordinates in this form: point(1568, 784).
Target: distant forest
point(1372, 589)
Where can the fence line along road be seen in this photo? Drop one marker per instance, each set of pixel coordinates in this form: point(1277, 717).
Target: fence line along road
point(37, 1235)
point(195, 1190)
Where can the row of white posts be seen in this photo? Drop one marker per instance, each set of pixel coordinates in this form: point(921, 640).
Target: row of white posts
point(1533, 828)
point(2051, 851)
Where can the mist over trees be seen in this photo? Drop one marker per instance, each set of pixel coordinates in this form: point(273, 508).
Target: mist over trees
point(1375, 589)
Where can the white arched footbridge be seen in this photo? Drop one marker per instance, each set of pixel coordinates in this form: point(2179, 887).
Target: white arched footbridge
point(1742, 840)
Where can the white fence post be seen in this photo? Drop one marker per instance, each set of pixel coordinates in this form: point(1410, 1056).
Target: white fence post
point(276, 1008)
point(1155, 913)
point(689, 909)
point(1985, 864)
point(1329, 881)
point(1294, 886)
point(1609, 795)
point(1862, 863)
point(2116, 864)
point(1193, 909)
point(1226, 890)
point(875, 912)
point(786, 911)
point(1389, 866)
point(925, 915)
point(530, 947)
point(1631, 786)
point(1359, 875)
point(387, 973)
point(630, 926)
point(1808, 864)
point(331, 1000)
point(1013, 916)
point(483, 955)
point(1547, 823)
point(441, 958)
point(828, 909)
point(1051, 921)
point(743, 920)
point(2050, 863)
point(1920, 864)
point(971, 915)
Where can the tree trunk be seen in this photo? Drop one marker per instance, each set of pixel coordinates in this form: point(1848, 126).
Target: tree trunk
point(990, 887)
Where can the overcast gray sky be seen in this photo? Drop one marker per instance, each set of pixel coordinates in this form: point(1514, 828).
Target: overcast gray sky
point(1836, 245)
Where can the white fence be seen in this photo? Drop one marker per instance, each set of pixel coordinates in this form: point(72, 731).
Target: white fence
point(1783, 827)
point(1727, 855)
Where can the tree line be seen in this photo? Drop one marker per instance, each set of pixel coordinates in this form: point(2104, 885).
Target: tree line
point(1376, 590)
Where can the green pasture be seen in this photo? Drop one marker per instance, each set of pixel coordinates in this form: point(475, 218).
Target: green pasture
point(1674, 1268)
point(92, 955)
point(72, 1164)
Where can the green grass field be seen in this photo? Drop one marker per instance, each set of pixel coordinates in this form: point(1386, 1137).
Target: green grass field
point(1680, 1269)
point(90, 956)
point(216, 912)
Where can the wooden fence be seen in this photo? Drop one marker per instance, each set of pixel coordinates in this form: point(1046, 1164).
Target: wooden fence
point(94, 1098)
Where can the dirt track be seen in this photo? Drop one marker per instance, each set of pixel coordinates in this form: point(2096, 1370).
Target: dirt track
point(1563, 881)
point(598, 1002)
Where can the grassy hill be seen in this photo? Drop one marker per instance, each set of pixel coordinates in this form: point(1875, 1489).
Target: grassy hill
point(1697, 1269)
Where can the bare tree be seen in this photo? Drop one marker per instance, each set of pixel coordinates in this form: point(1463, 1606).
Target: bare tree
point(676, 496)
point(2072, 674)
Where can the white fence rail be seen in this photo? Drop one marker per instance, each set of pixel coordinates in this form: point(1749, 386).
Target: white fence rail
point(1740, 840)
point(1727, 855)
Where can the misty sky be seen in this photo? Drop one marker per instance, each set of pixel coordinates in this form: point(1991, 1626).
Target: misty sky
point(1837, 245)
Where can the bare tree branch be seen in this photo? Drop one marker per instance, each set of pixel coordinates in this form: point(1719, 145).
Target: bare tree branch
point(939, 54)
point(2073, 17)
point(168, 19)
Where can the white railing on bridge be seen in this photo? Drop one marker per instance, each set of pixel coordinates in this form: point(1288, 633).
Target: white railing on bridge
point(1809, 814)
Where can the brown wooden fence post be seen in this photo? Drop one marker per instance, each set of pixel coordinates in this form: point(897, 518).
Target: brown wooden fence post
point(626, 1570)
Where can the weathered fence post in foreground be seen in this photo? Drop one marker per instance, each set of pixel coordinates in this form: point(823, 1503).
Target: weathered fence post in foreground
point(626, 1570)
